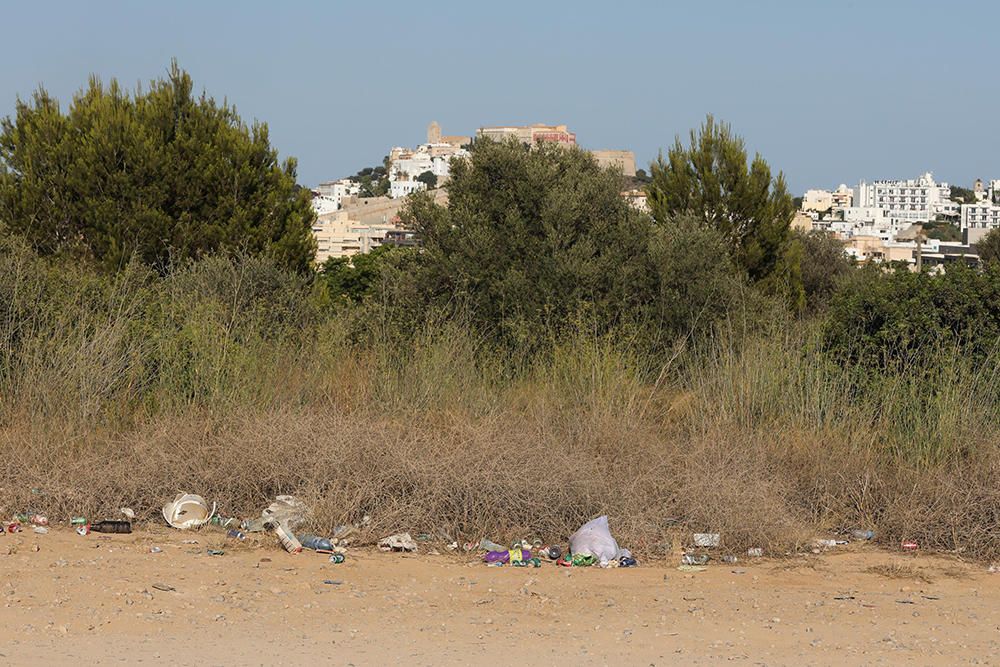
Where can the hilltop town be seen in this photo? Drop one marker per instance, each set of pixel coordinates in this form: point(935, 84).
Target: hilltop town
point(357, 214)
point(919, 222)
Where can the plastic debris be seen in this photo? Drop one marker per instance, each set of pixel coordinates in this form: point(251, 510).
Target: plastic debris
point(909, 545)
point(863, 534)
point(490, 545)
point(41, 530)
point(187, 511)
point(594, 538)
point(398, 542)
point(707, 540)
point(755, 552)
point(691, 568)
point(129, 514)
point(694, 559)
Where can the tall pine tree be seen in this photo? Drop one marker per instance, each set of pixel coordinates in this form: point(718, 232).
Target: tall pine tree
point(161, 175)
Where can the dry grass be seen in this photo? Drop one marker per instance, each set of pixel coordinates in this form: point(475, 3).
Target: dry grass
point(225, 383)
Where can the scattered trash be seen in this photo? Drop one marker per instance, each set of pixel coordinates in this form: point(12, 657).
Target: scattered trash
point(729, 559)
point(288, 540)
point(78, 521)
point(337, 558)
point(83, 530)
point(333, 582)
point(187, 511)
point(490, 545)
point(216, 552)
point(129, 514)
point(707, 540)
point(222, 522)
point(236, 534)
point(828, 544)
point(111, 527)
point(39, 520)
point(528, 562)
point(14, 527)
point(755, 552)
point(164, 587)
point(315, 543)
point(691, 568)
point(628, 561)
point(910, 546)
point(594, 538)
point(863, 534)
point(189, 541)
point(287, 510)
point(41, 530)
point(694, 559)
point(554, 552)
point(453, 546)
point(155, 550)
point(843, 597)
point(399, 542)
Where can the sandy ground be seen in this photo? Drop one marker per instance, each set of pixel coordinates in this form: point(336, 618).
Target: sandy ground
point(97, 600)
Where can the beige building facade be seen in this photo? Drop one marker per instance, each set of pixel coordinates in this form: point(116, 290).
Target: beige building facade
point(621, 160)
point(529, 134)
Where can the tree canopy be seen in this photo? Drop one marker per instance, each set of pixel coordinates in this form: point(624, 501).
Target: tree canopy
point(712, 181)
point(161, 175)
point(534, 239)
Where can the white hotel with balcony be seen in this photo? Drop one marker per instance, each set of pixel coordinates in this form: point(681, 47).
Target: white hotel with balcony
point(918, 200)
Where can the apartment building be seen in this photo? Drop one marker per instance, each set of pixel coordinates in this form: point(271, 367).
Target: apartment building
point(915, 200)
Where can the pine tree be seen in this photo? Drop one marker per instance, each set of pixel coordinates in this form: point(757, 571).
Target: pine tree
point(712, 181)
point(161, 175)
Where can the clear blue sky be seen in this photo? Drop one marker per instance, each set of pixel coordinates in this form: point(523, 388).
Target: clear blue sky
point(827, 91)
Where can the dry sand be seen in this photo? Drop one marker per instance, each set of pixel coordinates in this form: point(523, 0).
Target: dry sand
point(97, 600)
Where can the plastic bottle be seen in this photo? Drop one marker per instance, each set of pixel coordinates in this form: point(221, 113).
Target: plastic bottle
point(315, 543)
point(507, 556)
point(236, 534)
point(863, 534)
point(288, 540)
point(111, 527)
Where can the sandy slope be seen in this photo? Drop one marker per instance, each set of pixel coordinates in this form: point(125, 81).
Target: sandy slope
point(92, 600)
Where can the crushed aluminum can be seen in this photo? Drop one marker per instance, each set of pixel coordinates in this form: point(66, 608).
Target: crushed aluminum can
point(83, 530)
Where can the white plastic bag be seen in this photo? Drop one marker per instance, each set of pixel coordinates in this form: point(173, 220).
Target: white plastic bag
point(594, 539)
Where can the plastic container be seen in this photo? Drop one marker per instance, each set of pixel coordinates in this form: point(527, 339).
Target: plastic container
point(628, 561)
point(315, 543)
point(554, 552)
point(236, 534)
point(863, 534)
point(288, 540)
point(507, 556)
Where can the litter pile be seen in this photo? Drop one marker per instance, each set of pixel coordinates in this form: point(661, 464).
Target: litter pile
point(592, 544)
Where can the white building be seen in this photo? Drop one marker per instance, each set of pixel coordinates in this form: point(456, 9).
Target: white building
point(978, 219)
point(917, 200)
point(399, 189)
point(337, 190)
